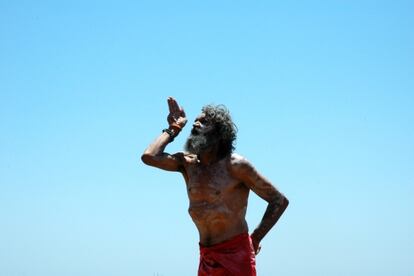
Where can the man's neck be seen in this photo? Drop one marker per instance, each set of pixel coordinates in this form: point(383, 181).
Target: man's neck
point(209, 156)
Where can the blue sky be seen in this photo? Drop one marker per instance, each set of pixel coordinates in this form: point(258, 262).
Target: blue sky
point(321, 91)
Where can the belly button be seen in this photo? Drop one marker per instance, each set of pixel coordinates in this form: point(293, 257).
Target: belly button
point(218, 192)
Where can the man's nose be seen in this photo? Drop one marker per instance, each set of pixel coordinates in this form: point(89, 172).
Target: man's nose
point(197, 124)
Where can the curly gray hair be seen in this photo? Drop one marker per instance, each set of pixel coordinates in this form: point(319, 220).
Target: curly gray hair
point(226, 130)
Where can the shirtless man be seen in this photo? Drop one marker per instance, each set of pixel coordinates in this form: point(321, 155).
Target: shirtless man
point(218, 185)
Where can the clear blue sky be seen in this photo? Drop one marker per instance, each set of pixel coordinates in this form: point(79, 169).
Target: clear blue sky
point(322, 93)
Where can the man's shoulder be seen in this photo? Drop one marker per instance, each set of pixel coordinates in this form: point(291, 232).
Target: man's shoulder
point(239, 166)
point(238, 162)
point(236, 158)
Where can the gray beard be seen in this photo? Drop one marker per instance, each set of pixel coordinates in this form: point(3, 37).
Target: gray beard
point(197, 143)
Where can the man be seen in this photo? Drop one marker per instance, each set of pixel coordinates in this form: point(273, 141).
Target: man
point(218, 185)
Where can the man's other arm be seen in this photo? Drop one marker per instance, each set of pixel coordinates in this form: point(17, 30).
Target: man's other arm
point(277, 202)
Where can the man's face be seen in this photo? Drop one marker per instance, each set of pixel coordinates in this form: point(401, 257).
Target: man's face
point(202, 135)
point(201, 125)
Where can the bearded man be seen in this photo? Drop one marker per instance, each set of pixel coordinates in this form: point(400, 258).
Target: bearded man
point(218, 185)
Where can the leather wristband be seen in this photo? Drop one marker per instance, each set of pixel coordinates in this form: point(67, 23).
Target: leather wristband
point(170, 132)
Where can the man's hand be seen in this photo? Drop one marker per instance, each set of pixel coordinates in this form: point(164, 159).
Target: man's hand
point(256, 245)
point(177, 114)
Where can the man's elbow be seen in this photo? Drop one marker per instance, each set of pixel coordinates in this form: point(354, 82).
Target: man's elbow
point(281, 201)
point(147, 158)
point(285, 202)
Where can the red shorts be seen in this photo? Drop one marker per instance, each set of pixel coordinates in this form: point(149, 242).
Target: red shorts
point(232, 257)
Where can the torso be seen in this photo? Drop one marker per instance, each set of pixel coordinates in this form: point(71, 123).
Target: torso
point(218, 200)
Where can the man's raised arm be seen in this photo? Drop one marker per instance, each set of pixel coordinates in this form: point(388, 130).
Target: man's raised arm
point(154, 155)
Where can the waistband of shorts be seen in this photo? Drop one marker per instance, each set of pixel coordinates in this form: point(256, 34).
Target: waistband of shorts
point(236, 240)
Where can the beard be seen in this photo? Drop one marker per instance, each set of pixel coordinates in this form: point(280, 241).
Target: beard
point(198, 142)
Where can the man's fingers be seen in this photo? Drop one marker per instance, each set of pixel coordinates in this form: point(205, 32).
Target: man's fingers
point(170, 104)
point(258, 249)
point(173, 105)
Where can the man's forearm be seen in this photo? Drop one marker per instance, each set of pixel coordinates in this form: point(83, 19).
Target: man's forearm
point(273, 212)
point(158, 146)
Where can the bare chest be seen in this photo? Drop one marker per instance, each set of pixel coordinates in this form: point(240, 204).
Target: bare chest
point(209, 183)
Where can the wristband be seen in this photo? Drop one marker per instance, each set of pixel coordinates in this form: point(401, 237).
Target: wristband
point(170, 132)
